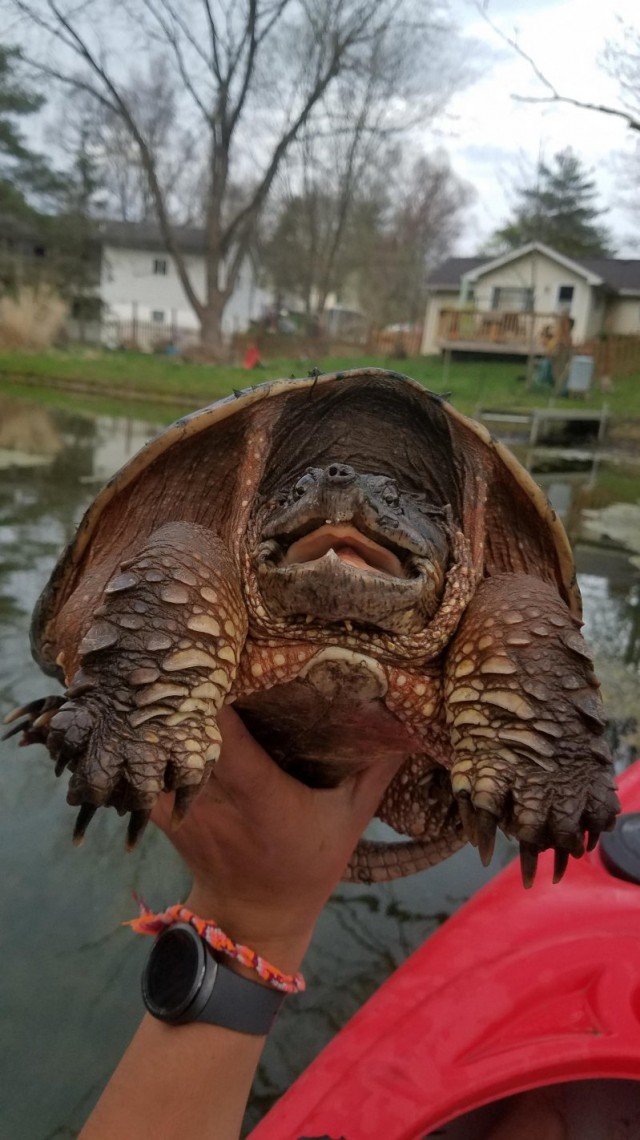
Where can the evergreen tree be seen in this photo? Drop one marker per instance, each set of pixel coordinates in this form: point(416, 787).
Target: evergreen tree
point(72, 231)
point(25, 177)
point(559, 209)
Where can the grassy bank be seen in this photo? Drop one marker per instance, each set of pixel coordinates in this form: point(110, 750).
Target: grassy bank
point(164, 380)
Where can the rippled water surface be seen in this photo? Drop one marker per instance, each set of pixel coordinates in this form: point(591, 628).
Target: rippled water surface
point(69, 978)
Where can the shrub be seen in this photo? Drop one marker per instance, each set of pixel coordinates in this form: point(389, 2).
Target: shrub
point(31, 319)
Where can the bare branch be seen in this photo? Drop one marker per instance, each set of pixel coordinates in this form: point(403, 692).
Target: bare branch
point(81, 49)
point(554, 95)
point(172, 40)
point(631, 121)
point(213, 37)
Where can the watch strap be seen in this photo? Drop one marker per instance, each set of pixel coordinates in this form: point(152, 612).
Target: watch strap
point(238, 1003)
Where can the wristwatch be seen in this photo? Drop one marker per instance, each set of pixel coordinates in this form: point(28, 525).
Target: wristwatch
point(184, 981)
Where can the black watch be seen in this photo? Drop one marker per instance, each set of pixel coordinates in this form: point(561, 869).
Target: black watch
point(184, 980)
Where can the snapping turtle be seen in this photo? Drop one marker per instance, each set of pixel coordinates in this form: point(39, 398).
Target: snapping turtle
point(365, 572)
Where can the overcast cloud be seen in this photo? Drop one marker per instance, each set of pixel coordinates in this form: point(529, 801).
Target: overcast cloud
point(492, 138)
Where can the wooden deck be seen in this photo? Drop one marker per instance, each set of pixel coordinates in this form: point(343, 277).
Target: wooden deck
point(498, 332)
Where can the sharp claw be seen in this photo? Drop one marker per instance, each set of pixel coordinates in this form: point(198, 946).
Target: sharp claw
point(486, 824)
point(468, 817)
point(24, 710)
point(592, 839)
point(181, 804)
point(44, 718)
point(85, 815)
point(21, 726)
point(528, 863)
point(577, 848)
point(137, 824)
point(560, 861)
point(60, 766)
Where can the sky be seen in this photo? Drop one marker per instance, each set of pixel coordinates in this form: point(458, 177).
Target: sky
point(492, 138)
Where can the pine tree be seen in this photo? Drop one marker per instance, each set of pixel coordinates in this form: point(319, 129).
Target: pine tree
point(71, 232)
point(25, 177)
point(559, 209)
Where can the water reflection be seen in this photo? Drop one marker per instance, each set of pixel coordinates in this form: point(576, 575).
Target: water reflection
point(70, 974)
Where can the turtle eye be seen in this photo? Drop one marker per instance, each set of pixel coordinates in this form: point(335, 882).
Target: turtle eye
point(390, 495)
point(302, 486)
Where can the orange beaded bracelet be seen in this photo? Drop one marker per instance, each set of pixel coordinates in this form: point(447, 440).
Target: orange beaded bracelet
point(150, 923)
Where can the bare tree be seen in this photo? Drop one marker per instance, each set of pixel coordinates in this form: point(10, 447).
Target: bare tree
point(326, 173)
point(152, 92)
point(251, 73)
point(422, 213)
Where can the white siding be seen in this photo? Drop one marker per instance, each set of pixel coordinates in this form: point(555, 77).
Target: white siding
point(130, 287)
point(624, 315)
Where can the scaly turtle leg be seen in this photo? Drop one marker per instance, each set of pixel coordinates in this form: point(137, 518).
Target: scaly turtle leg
point(154, 669)
point(526, 723)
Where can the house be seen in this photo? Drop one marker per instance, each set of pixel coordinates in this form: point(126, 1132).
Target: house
point(141, 291)
point(520, 302)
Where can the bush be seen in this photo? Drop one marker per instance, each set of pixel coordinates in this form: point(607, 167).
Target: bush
point(32, 319)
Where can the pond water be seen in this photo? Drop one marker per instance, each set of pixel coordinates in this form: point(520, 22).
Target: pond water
point(70, 972)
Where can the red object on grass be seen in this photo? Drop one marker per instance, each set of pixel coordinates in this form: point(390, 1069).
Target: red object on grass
point(518, 990)
point(251, 357)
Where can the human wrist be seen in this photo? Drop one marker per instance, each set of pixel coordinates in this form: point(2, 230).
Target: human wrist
point(274, 937)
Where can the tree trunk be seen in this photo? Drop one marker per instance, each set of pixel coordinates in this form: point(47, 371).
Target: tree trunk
point(211, 336)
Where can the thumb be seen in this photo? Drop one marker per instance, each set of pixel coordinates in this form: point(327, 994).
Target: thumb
point(370, 785)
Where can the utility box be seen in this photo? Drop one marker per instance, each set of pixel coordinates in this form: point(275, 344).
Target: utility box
point(580, 375)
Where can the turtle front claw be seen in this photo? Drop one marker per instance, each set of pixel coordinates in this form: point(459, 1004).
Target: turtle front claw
point(539, 812)
point(37, 716)
point(526, 724)
point(115, 762)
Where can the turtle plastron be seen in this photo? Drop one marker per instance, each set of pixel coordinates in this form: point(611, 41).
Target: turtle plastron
point(155, 667)
point(526, 723)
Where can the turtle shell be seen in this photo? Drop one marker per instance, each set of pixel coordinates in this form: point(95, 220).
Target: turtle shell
point(191, 472)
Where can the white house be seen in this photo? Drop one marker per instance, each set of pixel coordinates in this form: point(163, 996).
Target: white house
point(139, 284)
point(513, 303)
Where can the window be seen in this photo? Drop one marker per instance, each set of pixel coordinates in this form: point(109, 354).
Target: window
point(565, 295)
point(513, 299)
point(160, 266)
point(157, 316)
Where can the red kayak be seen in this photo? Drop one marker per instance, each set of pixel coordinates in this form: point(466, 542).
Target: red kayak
point(520, 990)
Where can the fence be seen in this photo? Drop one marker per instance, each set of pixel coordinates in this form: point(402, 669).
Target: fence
point(615, 355)
point(155, 336)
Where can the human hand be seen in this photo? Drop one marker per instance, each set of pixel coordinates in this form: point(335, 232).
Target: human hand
point(265, 851)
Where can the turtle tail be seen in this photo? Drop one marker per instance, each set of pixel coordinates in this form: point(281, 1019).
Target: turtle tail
point(380, 862)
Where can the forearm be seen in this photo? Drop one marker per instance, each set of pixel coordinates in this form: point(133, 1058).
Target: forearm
point(178, 1082)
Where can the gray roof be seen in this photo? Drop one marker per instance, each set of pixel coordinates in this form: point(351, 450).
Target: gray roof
point(617, 273)
point(449, 273)
point(147, 235)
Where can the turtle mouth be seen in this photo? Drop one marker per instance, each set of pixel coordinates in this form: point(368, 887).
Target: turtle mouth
point(333, 572)
point(349, 546)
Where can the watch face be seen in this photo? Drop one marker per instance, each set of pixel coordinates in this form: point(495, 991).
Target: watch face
point(174, 971)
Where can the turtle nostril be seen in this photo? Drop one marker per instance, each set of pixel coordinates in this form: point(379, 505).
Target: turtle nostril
point(340, 473)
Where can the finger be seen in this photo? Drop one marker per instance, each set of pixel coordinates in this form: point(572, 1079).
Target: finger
point(370, 784)
point(242, 763)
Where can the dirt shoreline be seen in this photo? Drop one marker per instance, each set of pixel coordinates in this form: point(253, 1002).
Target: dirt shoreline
point(62, 384)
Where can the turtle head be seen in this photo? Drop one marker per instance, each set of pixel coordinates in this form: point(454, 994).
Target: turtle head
point(342, 545)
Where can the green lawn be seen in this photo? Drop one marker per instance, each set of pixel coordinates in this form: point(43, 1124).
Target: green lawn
point(113, 375)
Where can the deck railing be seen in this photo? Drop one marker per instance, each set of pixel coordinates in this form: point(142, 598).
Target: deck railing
point(487, 329)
